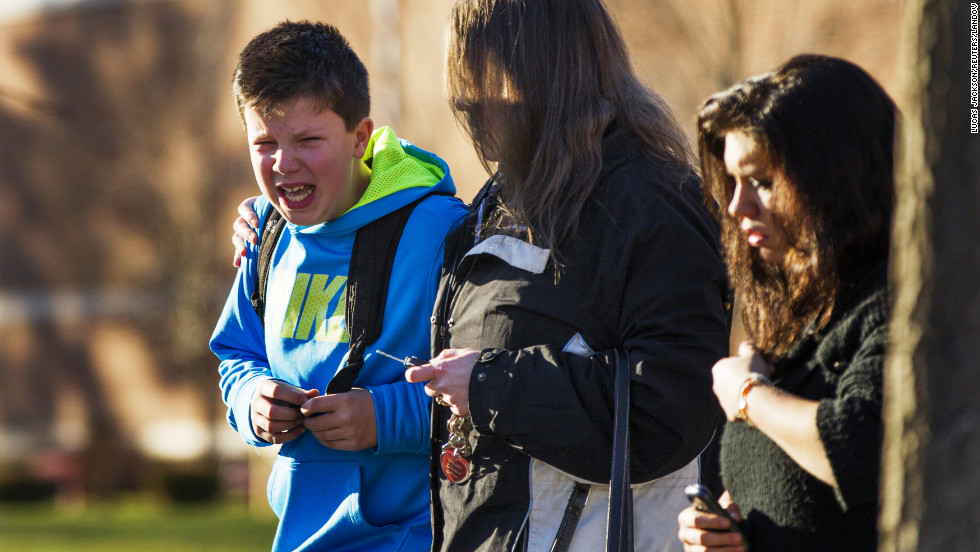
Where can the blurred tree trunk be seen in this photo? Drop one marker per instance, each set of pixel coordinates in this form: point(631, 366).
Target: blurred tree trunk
point(931, 480)
point(386, 86)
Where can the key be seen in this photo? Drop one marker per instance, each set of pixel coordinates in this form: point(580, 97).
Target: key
point(408, 361)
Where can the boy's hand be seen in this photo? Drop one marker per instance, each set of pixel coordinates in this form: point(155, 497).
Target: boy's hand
point(343, 421)
point(275, 414)
point(244, 229)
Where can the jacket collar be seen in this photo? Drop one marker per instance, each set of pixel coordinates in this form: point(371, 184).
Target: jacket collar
point(617, 148)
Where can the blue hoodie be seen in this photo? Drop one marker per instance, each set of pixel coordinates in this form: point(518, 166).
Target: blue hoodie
point(326, 499)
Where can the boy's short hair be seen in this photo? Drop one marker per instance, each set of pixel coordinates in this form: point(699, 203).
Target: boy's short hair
point(303, 59)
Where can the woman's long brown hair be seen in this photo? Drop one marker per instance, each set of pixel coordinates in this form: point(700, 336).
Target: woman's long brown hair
point(536, 83)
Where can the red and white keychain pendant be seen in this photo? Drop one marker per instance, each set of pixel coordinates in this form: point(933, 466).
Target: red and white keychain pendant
point(456, 468)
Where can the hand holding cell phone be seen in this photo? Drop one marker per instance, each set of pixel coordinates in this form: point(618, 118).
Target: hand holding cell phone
point(704, 501)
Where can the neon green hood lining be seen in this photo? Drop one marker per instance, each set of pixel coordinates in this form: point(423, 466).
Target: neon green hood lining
point(393, 169)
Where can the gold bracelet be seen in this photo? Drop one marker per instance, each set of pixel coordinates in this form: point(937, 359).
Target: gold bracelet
point(742, 415)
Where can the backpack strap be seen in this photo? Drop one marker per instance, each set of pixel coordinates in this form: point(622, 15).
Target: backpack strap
point(371, 262)
point(271, 231)
point(372, 259)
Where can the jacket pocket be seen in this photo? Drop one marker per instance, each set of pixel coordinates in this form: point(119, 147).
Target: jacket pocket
point(319, 509)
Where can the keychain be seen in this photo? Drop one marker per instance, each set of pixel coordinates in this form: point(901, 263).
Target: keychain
point(454, 453)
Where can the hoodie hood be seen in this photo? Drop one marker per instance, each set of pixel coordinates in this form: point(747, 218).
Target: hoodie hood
point(398, 165)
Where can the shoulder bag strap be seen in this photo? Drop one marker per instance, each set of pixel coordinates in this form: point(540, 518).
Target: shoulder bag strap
point(619, 523)
point(573, 512)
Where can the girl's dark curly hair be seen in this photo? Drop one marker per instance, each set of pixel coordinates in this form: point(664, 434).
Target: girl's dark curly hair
point(828, 130)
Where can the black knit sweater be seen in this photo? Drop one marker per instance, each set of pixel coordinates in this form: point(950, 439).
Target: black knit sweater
point(786, 508)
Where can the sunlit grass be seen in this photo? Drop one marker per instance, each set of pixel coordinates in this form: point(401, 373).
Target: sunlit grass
point(134, 525)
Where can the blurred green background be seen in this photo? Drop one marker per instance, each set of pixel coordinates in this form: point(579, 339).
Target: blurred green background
point(142, 524)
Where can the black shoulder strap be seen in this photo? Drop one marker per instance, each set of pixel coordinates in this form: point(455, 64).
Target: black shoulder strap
point(271, 231)
point(619, 518)
point(367, 287)
point(371, 262)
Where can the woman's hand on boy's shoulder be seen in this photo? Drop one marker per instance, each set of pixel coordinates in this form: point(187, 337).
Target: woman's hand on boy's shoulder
point(243, 229)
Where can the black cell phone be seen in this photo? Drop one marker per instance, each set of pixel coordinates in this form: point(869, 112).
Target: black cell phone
point(704, 501)
point(280, 402)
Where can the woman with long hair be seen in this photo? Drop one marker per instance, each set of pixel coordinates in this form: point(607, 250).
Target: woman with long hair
point(798, 168)
point(590, 238)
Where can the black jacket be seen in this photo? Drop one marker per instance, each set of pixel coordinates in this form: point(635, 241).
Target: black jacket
point(643, 273)
point(786, 508)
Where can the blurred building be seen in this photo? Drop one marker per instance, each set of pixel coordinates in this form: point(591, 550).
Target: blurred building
point(122, 159)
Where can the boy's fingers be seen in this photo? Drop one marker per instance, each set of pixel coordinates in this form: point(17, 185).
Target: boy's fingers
point(315, 406)
point(286, 392)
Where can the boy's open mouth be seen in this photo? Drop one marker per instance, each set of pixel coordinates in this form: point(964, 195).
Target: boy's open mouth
point(297, 196)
